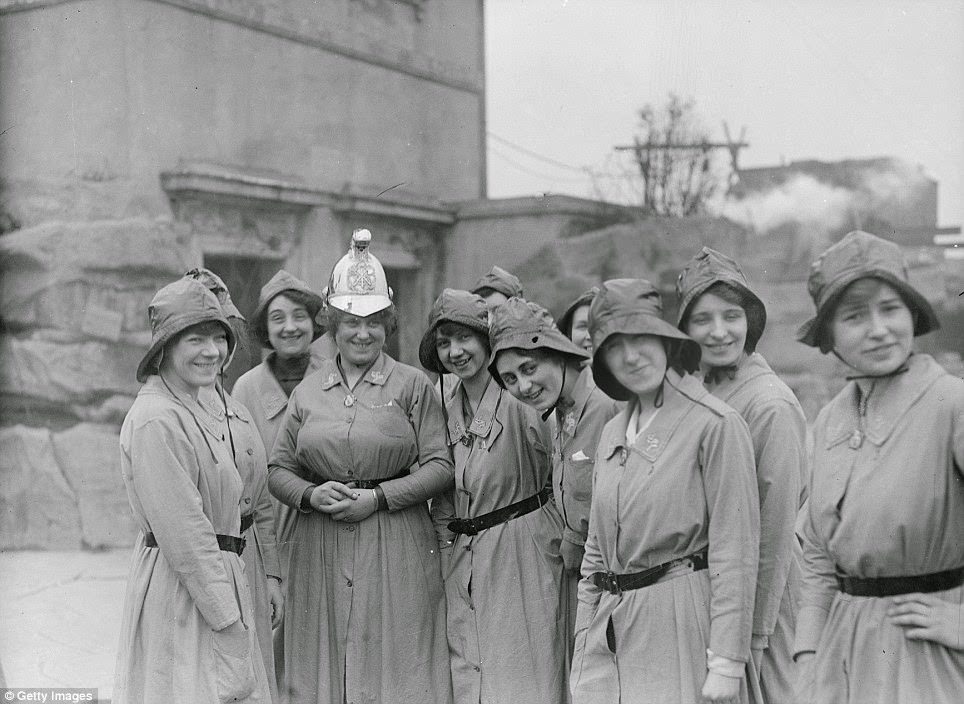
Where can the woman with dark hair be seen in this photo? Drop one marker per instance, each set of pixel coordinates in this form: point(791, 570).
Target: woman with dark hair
point(285, 323)
point(666, 599)
point(574, 322)
point(882, 602)
point(720, 312)
point(360, 452)
point(186, 633)
point(503, 577)
point(538, 365)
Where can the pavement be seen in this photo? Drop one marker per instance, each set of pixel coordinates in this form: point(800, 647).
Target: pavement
point(60, 615)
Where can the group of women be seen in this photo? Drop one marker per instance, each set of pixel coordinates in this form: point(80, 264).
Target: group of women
point(612, 509)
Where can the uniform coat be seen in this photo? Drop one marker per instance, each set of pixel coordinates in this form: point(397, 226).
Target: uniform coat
point(260, 554)
point(687, 482)
point(779, 432)
point(502, 586)
point(576, 434)
point(890, 505)
point(184, 487)
point(366, 610)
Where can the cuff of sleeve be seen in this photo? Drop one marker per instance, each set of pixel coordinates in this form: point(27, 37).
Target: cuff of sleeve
point(759, 641)
point(222, 610)
point(810, 623)
point(305, 504)
point(571, 536)
point(724, 666)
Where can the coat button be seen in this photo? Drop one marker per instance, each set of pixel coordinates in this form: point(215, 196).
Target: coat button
point(477, 668)
point(250, 451)
point(351, 529)
point(247, 500)
point(349, 583)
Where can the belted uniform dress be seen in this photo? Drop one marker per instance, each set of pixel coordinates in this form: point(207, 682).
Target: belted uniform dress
point(365, 613)
point(505, 617)
point(686, 483)
point(184, 487)
point(779, 432)
point(886, 500)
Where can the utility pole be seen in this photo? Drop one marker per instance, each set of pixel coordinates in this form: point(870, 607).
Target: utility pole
point(645, 151)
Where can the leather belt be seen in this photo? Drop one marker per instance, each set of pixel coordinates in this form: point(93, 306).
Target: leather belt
point(619, 583)
point(246, 522)
point(372, 483)
point(474, 526)
point(891, 586)
point(227, 543)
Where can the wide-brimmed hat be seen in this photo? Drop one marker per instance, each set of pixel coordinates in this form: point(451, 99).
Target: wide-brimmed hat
point(175, 308)
point(498, 279)
point(859, 255)
point(215, 284)
point(523, 325)
point(452, 306)
point(565, 320)
point(358, 284)
point(633, 307)
point(280, 283)
point(710, 267)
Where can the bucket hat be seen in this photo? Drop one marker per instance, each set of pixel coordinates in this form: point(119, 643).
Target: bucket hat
point(523, 325)
point(859, 255)
point(358, 284)
point(215, 284)
point(175, 308)
point(452, 306)
point(278, 284)
point(710, 267)
point(498, 279)
point(632, 307)
point(565, 321)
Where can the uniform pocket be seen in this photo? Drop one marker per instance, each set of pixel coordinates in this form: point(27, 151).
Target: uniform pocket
point(581, 479)
point(391, 421)
point(234, 670)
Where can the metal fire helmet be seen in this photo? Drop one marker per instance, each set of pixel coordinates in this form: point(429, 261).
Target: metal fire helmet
point(358, 284)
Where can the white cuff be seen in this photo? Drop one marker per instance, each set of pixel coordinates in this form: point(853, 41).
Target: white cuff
point(724, 666)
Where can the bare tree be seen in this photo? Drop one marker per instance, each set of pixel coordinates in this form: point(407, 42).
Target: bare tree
point(673, 153)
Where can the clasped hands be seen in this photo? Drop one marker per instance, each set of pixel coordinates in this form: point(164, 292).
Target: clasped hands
point(343, 502)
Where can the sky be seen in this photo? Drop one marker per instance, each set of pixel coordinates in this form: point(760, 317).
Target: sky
point(811, 79)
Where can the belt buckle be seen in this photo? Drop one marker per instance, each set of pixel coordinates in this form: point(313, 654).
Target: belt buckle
point(612, 583)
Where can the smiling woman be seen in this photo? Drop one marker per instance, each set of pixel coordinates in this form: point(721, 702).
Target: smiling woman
point(883, 578)
point(187, 631)
point(360, 452)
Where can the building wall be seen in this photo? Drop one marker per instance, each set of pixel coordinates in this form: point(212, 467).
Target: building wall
point(110, 91)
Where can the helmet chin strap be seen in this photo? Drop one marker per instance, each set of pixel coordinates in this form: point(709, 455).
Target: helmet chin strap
point(562, 387)
point(899, 370)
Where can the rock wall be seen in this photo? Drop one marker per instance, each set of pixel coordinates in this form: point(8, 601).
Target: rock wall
point(73, 303)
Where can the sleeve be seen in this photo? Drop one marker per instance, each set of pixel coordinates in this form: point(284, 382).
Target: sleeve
point(729, 482)
point(435, 472)
point(165, 470)
point(268, 541)
point(588, 593)
point(957, 435)
point(285, 480)
point(443, 513)
point(779, 434)
point(817, 590)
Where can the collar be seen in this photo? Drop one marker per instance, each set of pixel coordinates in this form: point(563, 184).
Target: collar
point(585, 385)
point(377, 375)
point(679, 395)
point(201, 409)
point(270, 393)
point(892, 399)
point(736, 376)
point(484, 425)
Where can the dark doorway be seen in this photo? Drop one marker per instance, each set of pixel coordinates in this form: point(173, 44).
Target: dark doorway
point(244, 277)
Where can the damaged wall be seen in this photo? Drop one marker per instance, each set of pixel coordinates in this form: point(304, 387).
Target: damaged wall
point(74, 304)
